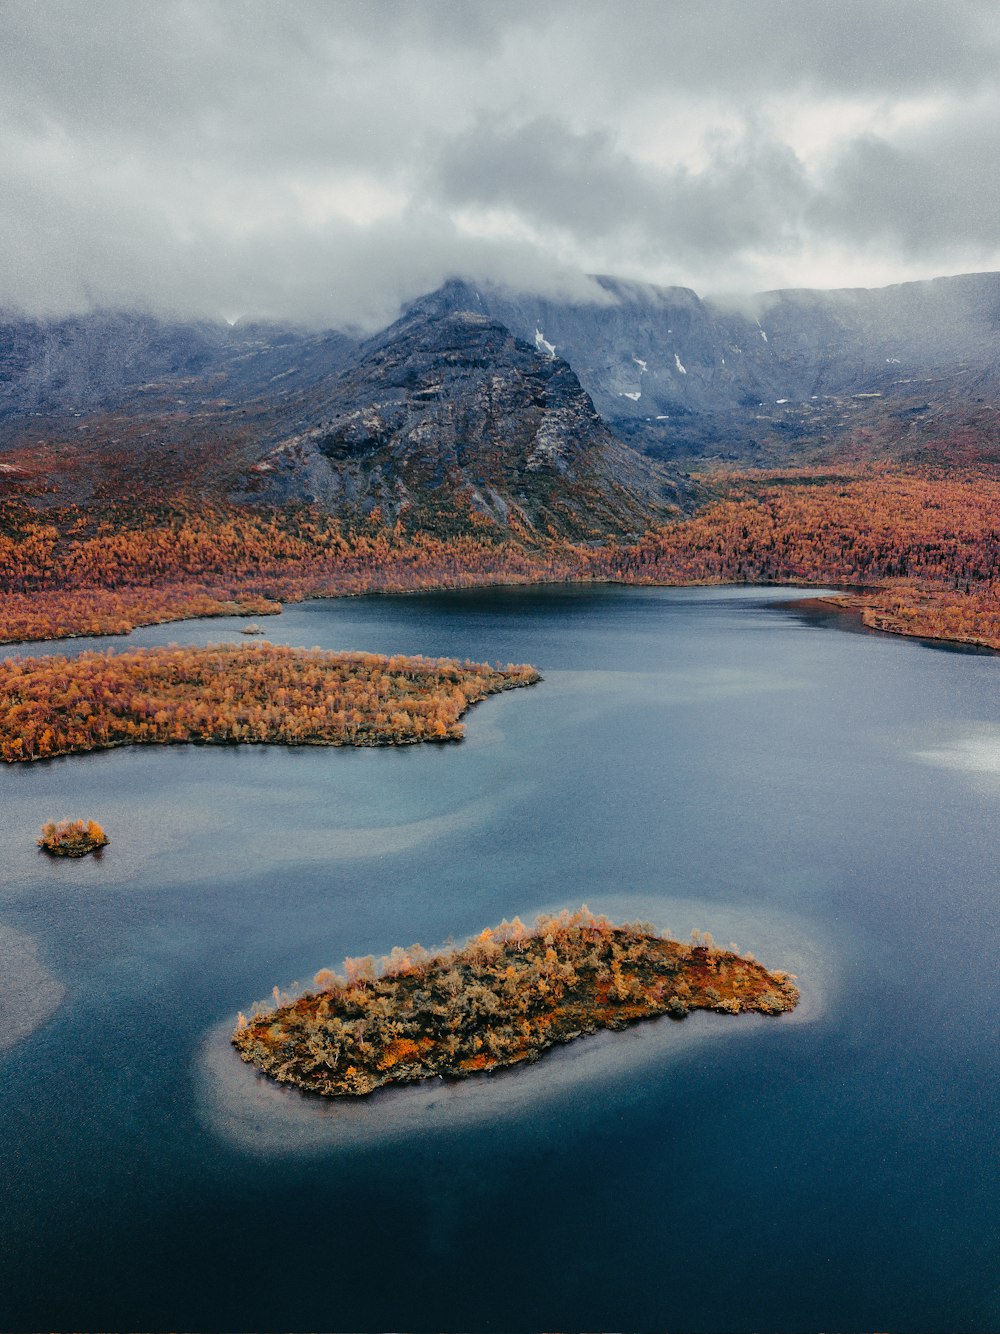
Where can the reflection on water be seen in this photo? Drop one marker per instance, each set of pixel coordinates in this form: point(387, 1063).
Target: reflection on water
point(694, 758)
point(693, 686)
point(976, 752)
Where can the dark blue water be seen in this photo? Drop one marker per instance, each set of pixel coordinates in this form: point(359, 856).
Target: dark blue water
point(695, 757)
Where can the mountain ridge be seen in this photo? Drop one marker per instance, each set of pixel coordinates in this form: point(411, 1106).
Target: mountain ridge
point(680, 375)
point(113, 401)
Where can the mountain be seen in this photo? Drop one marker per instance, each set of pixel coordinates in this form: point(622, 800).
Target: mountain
point(449, 415)
point(116, 361)
point(493, 403)
point(679, 375)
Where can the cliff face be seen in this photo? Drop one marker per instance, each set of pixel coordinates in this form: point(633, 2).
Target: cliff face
point(451, 412)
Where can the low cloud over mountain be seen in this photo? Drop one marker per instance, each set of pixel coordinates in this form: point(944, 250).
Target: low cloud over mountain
point(324, 163)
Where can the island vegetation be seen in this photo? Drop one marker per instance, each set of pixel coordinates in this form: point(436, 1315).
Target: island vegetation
point(72, 838)
point(226, 694)
point(504, 997)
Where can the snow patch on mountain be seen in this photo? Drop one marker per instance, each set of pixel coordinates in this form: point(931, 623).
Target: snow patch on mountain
point(542, 342)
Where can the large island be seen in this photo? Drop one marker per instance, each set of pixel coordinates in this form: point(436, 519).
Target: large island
point(502, 998)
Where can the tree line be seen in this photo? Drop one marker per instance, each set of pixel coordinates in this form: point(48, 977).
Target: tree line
point(925, 543)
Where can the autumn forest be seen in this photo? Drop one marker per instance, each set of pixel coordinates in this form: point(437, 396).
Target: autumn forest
point(504, 997)
point(262, 693)
point(919, 551)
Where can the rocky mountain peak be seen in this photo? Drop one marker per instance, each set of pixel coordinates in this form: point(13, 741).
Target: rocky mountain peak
point(450, 409)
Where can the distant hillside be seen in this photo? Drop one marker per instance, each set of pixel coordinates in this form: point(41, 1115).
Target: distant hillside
point(109, 361)
point(679, 375)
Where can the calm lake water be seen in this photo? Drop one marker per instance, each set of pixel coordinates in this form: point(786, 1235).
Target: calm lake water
point(694, 757)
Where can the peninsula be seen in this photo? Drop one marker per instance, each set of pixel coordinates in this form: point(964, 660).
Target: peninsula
point(230, 694)
point(504, 997)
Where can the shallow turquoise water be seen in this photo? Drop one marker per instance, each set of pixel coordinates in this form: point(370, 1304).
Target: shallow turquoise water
point(698, 757)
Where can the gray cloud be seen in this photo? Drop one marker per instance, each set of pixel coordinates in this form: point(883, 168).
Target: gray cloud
point(854, 46)
point(927, 193)
point(584, 185)
point(325, 160)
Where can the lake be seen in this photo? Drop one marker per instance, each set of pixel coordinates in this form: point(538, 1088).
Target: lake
point(711, 758)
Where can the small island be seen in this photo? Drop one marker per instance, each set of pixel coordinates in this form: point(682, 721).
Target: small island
point(72, 838)
point(504, 997)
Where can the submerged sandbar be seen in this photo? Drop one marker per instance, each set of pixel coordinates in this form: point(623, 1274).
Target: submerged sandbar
point(503, 998)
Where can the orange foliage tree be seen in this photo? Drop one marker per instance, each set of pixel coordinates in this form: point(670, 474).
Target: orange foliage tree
point(504, 997)
point(72, 838)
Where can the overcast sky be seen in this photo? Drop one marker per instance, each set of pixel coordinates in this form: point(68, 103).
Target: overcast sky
point(323, 160)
